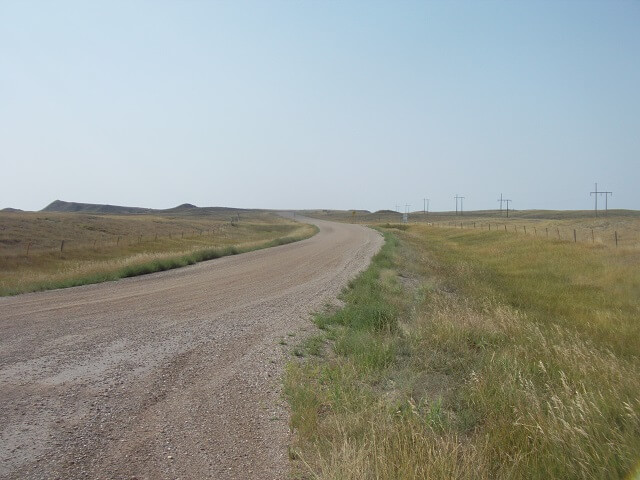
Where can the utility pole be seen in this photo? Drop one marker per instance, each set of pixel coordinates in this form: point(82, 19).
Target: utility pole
point(501, 202)
point(427, 205)
point(606, 203)
point(595, 194)
point(398, 208)
point(405, 215)
point(458, 197)
point(507, 202)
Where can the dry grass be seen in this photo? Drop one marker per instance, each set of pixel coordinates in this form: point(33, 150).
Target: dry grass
point(551, 224)
point(106, 247)
point(45, 230)
point(492, 356)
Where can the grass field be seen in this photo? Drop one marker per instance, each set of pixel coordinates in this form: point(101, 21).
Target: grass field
point(471, 354)
point(107, 247)
point(552, 224)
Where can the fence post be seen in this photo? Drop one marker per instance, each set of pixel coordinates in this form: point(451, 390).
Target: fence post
point(616, 235)
point(474, 224)
point(505, 227)
point(547, 230)
point(489, 227)
point(118, 241)
point(593, 240)
point(558, 233)
point(525, 229)
point(28, 247)
point(61, 246)
point(535, 232)
point(575, 238)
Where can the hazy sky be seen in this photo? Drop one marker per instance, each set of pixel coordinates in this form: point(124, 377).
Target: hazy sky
point(327, 104)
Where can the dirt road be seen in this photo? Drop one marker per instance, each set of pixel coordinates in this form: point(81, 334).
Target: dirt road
point(174, 375)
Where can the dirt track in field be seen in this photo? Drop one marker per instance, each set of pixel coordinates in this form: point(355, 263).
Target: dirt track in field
point(175, 375)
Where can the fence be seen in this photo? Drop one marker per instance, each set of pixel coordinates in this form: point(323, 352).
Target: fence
point(64, 246)
point(594, 236)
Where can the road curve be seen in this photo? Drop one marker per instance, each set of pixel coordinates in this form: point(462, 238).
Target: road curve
point(170, 375)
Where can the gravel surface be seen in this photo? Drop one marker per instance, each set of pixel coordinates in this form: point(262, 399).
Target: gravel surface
point(175, 375)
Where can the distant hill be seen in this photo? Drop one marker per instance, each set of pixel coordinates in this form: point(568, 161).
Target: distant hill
point(62, 206)
point(10, 210)
point(385, 211)
point(181, 208)
point(184, 209)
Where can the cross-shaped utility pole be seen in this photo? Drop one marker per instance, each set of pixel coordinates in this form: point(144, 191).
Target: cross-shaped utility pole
point(501, 202)
point(507, 202)
point(606, 203)
point(398, 208)
point(595, 194)
point(458, 197)
point(406, 207)
point(425, 205)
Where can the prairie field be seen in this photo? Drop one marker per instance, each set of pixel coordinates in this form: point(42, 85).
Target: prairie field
point(551, 224)
point(43, 250)
point(468, 353)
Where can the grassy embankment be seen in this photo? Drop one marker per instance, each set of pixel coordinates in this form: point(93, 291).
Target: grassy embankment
point(99, 248)
point(474, 354)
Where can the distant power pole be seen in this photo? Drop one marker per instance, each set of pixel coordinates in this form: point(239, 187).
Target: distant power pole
point(595, 194)
point(458, 197)
point(507, 202)
point(406, 207)
point(606, 203)
point(425, 206)
point(501, 202)
point(398, 208)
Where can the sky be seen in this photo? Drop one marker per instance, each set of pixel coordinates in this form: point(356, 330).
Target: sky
point(320, 104)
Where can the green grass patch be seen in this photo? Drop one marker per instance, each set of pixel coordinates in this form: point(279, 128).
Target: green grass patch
point(474, 354)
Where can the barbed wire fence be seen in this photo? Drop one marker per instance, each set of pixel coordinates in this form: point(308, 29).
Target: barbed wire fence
point(595, 236)
point(69, 246)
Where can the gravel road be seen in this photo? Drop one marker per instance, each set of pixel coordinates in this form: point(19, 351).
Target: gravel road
point(174, 375)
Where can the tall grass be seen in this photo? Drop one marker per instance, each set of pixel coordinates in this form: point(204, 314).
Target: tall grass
point(49, 271)
point(475, 355)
